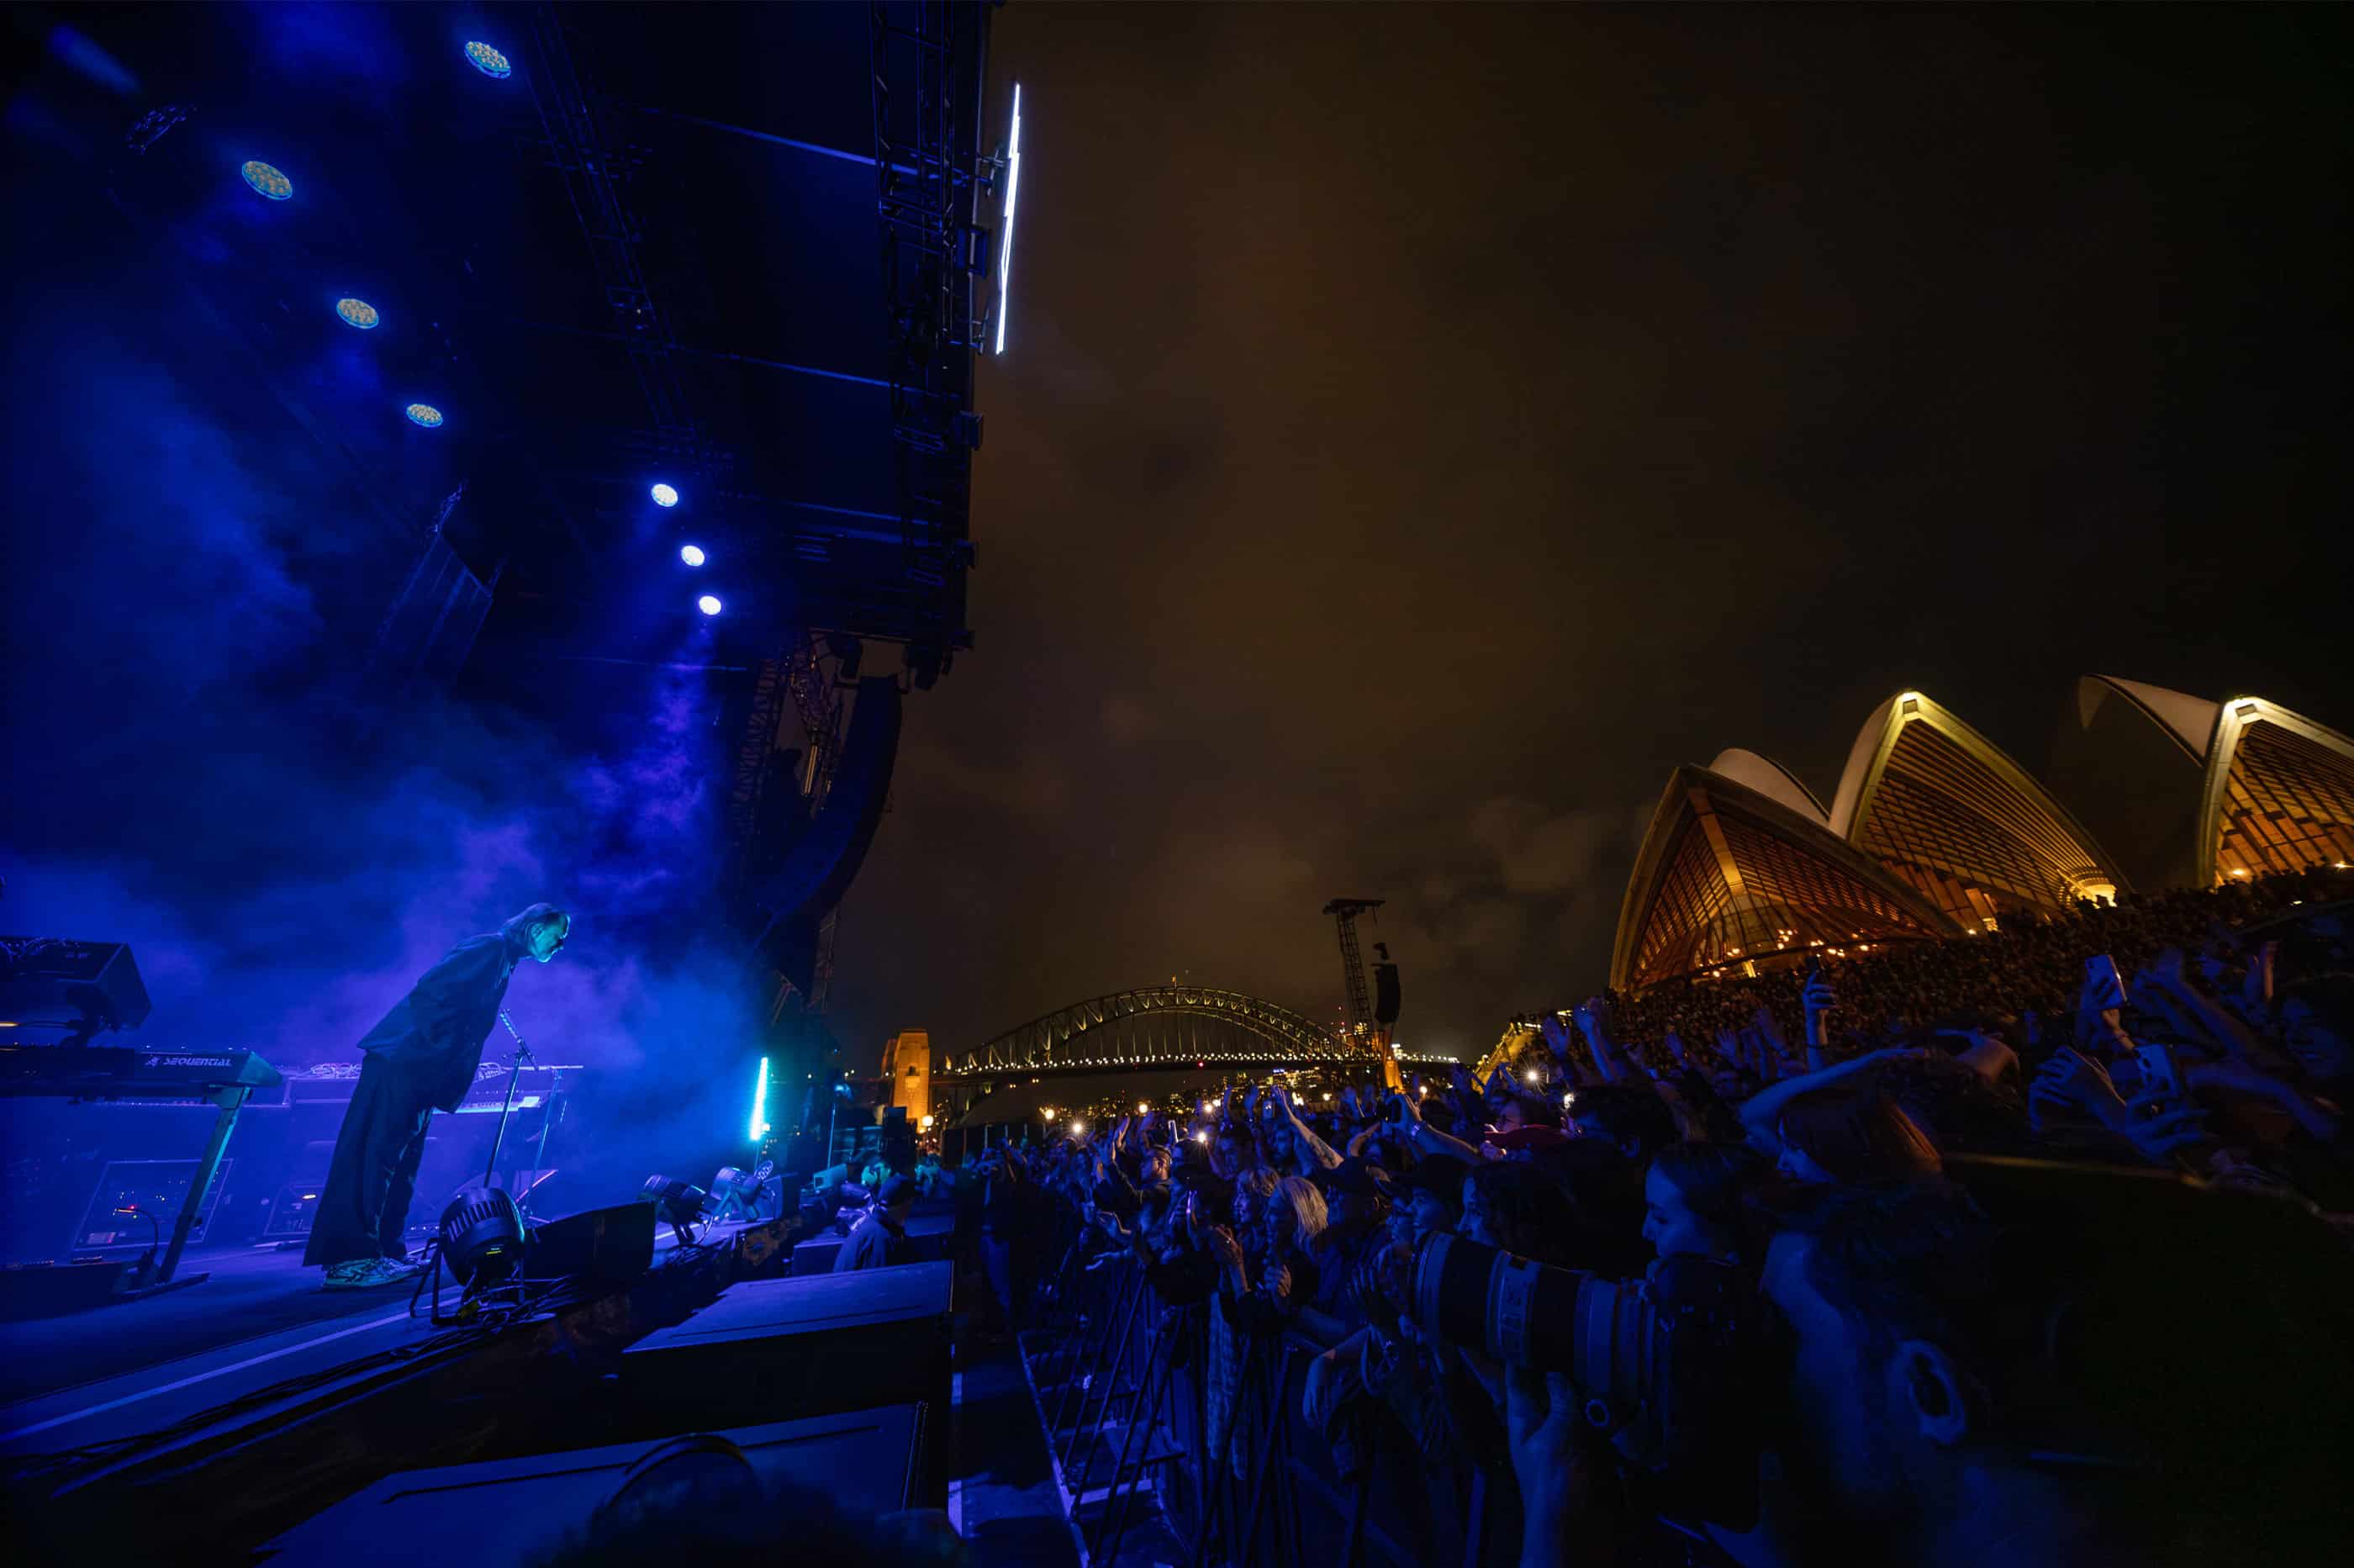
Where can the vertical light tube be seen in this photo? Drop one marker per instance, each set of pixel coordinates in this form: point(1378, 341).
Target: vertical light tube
point(761, 1103)
point(1005, 241)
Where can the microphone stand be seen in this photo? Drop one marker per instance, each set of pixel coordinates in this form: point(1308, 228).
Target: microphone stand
point(514, 1071)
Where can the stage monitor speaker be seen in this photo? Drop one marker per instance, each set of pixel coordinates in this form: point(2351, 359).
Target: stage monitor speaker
point(510, 1512)
point(803, 1346)
point(929, 1239)
point(612, 1245)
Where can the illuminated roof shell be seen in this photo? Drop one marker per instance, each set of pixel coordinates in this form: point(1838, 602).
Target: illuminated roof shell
point(1769, 778)
point(1945, 809)
point(1729, 874)
point(2279, 793)
point(2274, 790)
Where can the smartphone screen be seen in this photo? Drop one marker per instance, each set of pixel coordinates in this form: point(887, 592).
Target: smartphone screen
point(2101, 974)
point(2157, 1064)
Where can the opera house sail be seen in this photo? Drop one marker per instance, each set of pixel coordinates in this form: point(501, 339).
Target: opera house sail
point(2235, 789)
point(1943, 807)
point(1934, 831)
point(1730, 876)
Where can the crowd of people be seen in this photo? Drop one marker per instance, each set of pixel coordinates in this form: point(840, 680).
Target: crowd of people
point(2030, 1247)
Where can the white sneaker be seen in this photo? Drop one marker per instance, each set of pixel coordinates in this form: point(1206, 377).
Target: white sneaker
point(366, 1274)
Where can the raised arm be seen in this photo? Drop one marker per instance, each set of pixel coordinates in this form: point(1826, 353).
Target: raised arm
point(2168, 975)
point(1818, 1001)
point(1302, 1133)
point(1761, 1113)
point(1428, 1138)
point(1557, 1038)
point(1593, 1017)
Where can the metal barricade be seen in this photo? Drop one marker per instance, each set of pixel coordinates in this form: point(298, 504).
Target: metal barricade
point(1258, 1485)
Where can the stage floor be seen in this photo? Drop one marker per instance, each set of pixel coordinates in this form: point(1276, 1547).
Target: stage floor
point(117, 1371)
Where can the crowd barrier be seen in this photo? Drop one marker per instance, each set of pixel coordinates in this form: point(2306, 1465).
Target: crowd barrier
point(1129, 1389)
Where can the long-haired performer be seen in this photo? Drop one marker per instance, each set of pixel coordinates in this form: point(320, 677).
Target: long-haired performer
point(423, 1055)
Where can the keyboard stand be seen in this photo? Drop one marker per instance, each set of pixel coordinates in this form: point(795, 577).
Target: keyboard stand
point(230, 1101)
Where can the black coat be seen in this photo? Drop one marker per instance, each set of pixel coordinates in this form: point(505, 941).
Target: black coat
point(434, 1034)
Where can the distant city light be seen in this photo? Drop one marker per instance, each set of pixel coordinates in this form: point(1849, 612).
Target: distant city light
point(424, 414)
point(664, 495)
point(267, 180)
point(1005, 225)
point(691, 553)
point(358, 313)
point(708, 604)
point(488, 60)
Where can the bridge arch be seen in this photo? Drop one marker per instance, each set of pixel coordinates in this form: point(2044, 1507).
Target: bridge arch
point(1082, 1035)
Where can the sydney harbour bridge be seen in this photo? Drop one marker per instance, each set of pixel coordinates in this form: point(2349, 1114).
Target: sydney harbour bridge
point(1198, 1030)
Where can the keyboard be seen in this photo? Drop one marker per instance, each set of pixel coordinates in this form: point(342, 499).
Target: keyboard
point(115, 1072)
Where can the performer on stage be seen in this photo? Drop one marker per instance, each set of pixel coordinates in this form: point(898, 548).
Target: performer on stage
point(423, 1055)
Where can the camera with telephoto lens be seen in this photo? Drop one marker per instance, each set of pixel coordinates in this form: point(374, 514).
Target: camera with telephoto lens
point(1668, 1367)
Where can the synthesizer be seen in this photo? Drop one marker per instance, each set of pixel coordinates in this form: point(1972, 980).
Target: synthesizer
point(115, 1072)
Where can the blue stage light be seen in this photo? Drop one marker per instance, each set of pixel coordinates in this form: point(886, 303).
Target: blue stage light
point(691, 553)
point(267, 180)
point(1005, 238)
point(664, 495)
point(761, 1103)
point(424, 414)
point(488, 60)
point(359, 313)
point(708, 604)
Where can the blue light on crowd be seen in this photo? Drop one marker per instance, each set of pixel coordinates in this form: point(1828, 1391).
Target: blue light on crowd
point(691, 553)
point(1005, 238)
point(424, 414)
point(708, 604)
point(358, 313)
point(664, 495)
point(761, 1103)
point(488, 60)
point(267, 180)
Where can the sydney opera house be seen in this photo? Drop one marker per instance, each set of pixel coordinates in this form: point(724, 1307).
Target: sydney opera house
point(1934, 831)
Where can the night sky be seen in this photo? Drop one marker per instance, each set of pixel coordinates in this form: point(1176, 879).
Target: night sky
point(1421, 429)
